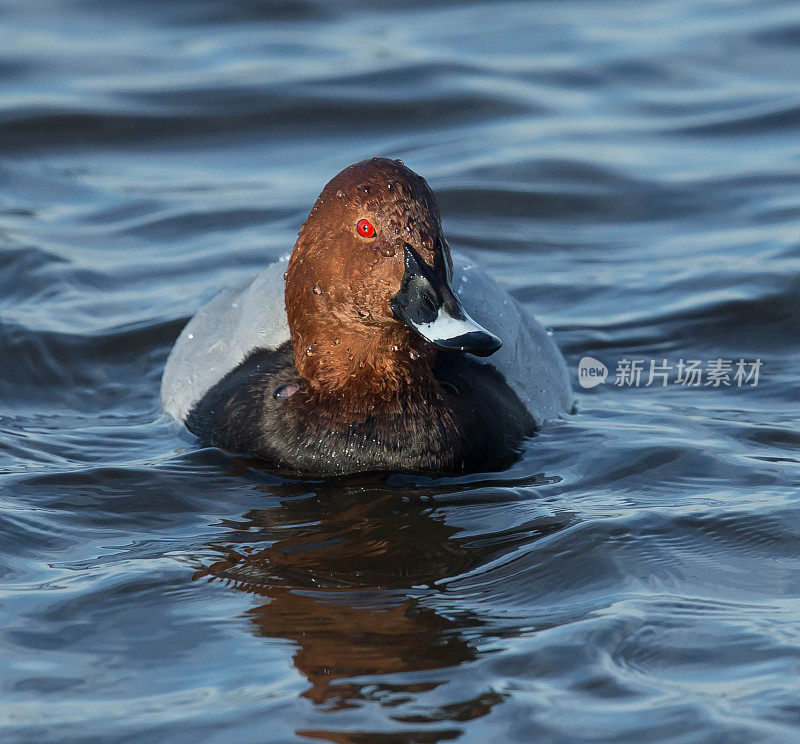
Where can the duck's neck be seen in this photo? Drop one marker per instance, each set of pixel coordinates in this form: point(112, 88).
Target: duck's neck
point(366, 370)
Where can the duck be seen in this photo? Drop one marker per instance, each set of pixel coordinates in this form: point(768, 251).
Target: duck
point(373, 348)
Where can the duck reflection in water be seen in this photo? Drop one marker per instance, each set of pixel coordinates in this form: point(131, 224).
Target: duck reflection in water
point(349, 576)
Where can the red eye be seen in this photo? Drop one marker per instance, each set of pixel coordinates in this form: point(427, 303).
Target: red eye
point(365, 229)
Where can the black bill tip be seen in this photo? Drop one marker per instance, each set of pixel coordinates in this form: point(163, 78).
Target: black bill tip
point(480, 343)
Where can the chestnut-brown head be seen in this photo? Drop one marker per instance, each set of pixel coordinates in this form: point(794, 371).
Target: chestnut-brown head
point(367, 289)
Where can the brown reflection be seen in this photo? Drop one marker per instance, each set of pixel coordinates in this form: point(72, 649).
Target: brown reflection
point(337, 640)
point(347, 576)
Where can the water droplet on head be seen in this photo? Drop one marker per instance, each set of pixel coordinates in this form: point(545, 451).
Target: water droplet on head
point(413, 354)
point(316, 289)
point(363, 314)
point(337, 341)
point(388, 250)
point(309, 350)
point(395, 347)
point(341, 194)
point(285, 274)
point(361, 365)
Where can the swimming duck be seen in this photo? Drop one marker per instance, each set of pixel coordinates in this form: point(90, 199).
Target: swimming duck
point(373, 348)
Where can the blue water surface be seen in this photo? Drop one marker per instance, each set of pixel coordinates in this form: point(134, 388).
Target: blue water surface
point(629, 171)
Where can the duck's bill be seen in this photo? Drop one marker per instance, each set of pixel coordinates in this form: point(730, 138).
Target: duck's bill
point(427, 304)
point(448, 331)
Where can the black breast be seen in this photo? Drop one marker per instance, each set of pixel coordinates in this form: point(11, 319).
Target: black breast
point(475, 421)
